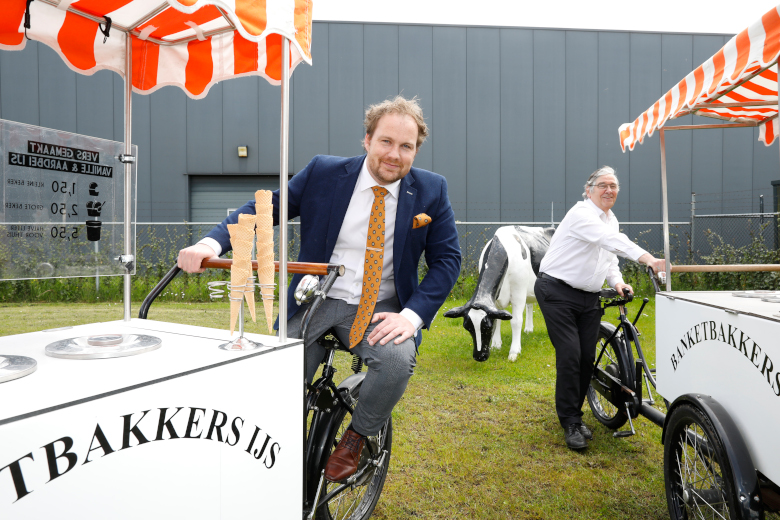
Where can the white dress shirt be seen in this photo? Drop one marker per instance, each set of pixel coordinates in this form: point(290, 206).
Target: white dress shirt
point(350, 249)
point(583, 248)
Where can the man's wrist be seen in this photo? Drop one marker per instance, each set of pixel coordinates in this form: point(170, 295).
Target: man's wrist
point(213, 244)
point(413, 318)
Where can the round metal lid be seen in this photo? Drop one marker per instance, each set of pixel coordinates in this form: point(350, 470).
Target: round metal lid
point(14, 367)
point(756, 294)
point(103, 346)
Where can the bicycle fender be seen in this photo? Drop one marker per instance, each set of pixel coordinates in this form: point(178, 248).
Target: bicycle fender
point(320, 450)
point(745, 476)
point(352, 381)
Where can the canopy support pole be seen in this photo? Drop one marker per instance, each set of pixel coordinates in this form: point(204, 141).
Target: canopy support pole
point(283, 169)
point(666, 213)
point(128, 228)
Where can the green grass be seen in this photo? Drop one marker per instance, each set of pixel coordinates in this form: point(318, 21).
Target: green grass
point(471, 440)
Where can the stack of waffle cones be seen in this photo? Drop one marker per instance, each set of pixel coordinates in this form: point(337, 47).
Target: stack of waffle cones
point(265, 252)
point(241, 237)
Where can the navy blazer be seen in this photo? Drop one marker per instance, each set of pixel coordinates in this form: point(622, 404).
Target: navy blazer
point(320, 195)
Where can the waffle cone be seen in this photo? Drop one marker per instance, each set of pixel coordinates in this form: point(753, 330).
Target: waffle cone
point(234, 308)
point(264, 222)
point(242, 251)
point(265, 260)
point(250, 300)
point(247, 221)
point(263, 197)
point(268, 305)
point(264, 209)
point(265, 236)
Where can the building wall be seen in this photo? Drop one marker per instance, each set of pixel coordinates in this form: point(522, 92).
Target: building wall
point(518, 118)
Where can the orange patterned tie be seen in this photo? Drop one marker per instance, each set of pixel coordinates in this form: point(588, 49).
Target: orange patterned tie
point(372, 273)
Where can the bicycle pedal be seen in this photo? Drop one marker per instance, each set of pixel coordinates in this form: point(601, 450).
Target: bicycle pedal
point(624, 433)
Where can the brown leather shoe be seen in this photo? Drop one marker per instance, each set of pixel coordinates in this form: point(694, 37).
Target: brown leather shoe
point(343, 462)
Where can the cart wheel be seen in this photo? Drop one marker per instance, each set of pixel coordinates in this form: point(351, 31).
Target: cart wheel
point(605, 412)
point(697, 472)
point(358, 501)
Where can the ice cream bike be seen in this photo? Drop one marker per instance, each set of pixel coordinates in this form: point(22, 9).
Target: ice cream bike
point(717, 352)
point(138, 418)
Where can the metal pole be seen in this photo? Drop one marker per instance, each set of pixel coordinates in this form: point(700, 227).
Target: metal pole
point(666, 213)
point(128, 166)
point(283, 169)
point(693, 224)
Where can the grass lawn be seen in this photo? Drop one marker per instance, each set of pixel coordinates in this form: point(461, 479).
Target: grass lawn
point(471, 440)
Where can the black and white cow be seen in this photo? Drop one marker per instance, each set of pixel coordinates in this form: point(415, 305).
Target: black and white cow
point(508, 267)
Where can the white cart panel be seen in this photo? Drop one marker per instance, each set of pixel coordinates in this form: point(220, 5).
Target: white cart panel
point(185, 431)
point(713, 343)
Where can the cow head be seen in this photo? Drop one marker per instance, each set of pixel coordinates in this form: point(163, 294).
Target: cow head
point(480, 321)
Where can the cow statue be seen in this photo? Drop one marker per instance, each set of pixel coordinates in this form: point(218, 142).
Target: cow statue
point(508, 267)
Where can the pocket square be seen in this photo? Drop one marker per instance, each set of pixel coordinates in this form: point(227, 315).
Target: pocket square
point(421, 220)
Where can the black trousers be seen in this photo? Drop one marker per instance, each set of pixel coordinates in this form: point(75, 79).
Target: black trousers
point(572, 319)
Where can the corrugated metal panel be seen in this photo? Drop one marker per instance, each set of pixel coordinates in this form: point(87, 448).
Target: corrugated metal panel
point(549, 122)
point(676, 63)
point(212, 195)
point(415, 78)
point(483, 114)
point(19, 85)
point(204, 130)
point(707, 145)
point(581, 111)
point(613, 109)
point(644, 190)
point(517, 126)
point(448, 134)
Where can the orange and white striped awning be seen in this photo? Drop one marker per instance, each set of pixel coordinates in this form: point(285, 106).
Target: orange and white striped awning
point(192, 44)
point(738, 84)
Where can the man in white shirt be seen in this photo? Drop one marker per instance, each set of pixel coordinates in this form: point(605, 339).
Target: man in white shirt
point(581, 257)
point(342, 203)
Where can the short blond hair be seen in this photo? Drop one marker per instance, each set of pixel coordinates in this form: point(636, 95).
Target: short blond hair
point(397, 105)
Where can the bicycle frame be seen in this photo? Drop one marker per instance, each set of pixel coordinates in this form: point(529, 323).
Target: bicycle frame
point(625, 392)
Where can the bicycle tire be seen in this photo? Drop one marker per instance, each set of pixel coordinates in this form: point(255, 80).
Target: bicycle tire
point(357, 502)
point(617, 361)
point(697, 473)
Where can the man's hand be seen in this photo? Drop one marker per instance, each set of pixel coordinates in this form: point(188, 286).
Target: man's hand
point(658, 264)
point(393, 324)
point(621, 288)
point(191, 257)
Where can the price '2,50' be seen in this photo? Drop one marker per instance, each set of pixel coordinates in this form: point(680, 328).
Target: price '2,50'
point(62, 232)
point(62, 209)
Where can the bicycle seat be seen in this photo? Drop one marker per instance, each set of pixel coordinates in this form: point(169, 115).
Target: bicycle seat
point(329, 340)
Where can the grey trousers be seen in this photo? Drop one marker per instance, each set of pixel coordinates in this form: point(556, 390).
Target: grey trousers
point(389, 366)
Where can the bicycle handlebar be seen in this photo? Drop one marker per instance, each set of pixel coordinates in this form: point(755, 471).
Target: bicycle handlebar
point(651, 274)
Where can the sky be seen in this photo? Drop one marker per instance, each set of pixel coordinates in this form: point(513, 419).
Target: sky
point(686, 16)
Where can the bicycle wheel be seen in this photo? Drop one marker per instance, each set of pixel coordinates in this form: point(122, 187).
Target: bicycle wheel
point(697, 472)
point(358, 501)
point(614, 364)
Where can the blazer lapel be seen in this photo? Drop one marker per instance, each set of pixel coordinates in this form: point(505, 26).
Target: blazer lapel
point(403, 218)
point(344, 185)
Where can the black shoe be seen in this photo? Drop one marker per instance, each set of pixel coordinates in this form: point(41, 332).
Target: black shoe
point(585, 431)
point(574, 438)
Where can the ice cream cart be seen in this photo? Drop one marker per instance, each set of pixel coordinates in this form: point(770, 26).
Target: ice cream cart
point(137, 417)
point(717, 352)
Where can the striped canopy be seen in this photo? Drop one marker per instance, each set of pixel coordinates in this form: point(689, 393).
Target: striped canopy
point(192, 44)
point(738, 84)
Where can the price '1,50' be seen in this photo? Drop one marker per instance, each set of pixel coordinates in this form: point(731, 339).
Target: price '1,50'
point(62, 232)
point(62, 209)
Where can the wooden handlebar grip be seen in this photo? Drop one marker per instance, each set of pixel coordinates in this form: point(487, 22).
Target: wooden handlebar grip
point(292, 267)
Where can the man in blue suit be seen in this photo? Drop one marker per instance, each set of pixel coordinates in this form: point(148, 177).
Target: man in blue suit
point(376, 215)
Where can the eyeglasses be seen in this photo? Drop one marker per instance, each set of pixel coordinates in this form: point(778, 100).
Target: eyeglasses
point(604, 186)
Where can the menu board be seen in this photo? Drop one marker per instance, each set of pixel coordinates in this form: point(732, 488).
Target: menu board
point(61, 204)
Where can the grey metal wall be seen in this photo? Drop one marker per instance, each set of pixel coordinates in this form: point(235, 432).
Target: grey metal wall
point(518, 117)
